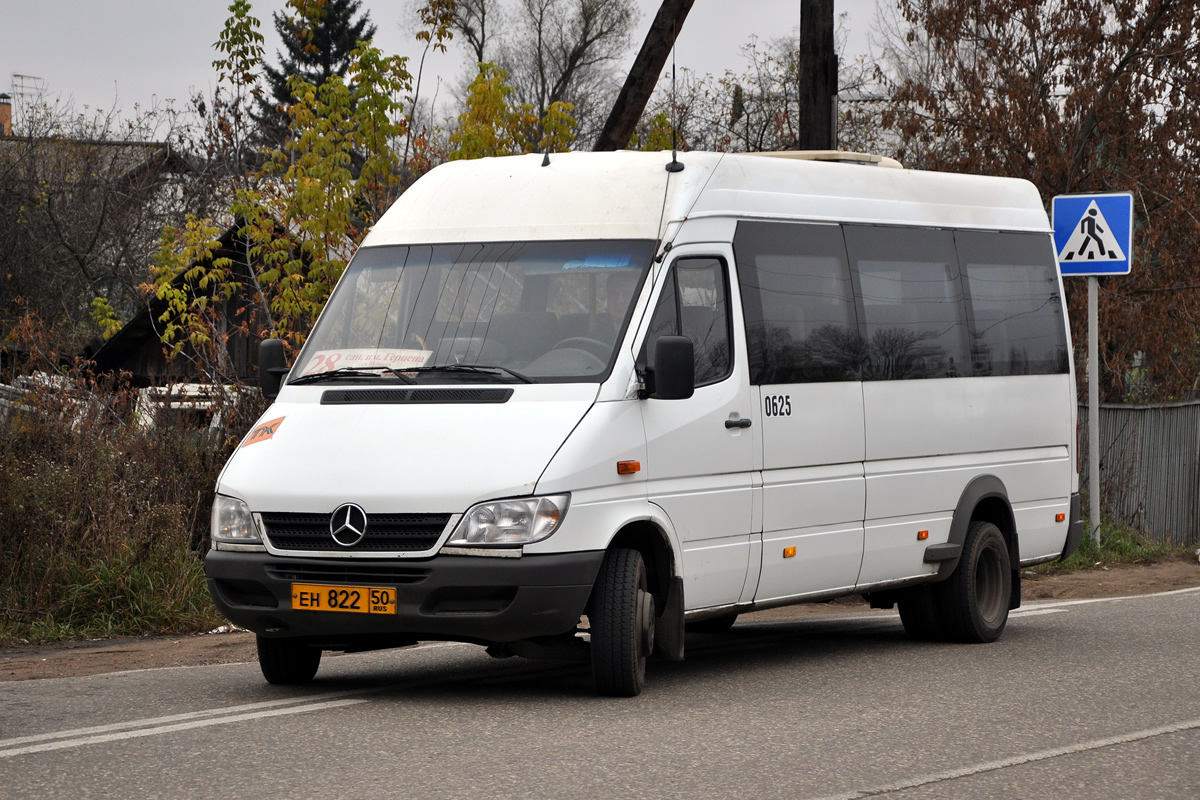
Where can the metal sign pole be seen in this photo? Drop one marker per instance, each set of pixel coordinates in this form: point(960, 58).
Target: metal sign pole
point(1093, 235)
point(1093, 409)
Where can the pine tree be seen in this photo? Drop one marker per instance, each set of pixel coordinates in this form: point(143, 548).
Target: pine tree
point(318, 45)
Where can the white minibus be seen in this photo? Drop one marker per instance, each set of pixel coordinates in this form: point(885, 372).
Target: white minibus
point(572, 406)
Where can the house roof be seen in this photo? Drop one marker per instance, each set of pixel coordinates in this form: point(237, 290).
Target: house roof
point(107, 159)
point(143, 329)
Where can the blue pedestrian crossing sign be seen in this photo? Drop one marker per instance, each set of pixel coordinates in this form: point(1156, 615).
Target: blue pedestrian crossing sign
point(1093, 233)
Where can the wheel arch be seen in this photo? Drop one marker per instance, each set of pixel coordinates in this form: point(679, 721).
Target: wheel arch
point(985, 499)
point(651, 541)
point(653, 538)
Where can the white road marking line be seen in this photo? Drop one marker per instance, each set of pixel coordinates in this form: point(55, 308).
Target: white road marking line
point(182, 726)
point(418, 646)
point(158, 721)
point(1035, 611)
point(1015, 761)
point(205, 717)
point(1089, 601)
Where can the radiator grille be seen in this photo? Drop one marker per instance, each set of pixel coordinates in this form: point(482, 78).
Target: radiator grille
point(386, 533)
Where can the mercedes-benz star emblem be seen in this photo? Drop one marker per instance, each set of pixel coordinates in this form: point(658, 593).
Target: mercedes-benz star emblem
point(348, 524)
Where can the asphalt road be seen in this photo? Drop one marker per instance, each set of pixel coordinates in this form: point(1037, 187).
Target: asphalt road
point(1083, 699)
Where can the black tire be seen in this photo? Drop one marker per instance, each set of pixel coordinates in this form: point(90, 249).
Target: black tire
point(622, 624)
point(712, 624)
point(287, 662)
point(974, 600)
point(919, 613)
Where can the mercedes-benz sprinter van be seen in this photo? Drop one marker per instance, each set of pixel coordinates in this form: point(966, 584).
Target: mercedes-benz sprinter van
point(567, 406)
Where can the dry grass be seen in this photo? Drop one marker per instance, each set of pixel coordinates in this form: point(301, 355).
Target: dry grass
point(103, 524)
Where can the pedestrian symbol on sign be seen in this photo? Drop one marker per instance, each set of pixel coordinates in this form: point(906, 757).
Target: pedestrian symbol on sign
point(1093, 233)
point(1092, 239)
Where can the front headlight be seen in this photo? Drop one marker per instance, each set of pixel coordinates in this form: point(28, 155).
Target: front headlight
point(510, 522)
point(232, 521)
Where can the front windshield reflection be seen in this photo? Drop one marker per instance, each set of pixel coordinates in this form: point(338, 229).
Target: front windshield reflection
point(547, 311)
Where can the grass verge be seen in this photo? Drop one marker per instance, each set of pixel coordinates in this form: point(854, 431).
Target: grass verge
point(1119, 544)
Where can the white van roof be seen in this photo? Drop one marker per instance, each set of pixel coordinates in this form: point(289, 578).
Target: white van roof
point(631, 195)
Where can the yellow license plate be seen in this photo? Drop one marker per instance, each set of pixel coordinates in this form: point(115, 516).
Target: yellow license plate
point(351, 599)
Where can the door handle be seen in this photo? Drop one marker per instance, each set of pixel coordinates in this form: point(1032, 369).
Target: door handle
point(737, 423)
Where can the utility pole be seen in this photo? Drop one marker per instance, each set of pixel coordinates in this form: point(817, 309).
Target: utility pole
point(643, 75)
point(818, 77)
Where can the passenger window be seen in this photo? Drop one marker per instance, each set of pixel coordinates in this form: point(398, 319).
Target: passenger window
point(695, 304)
point(801, 324)
point(1016, 319)
point(912, 300)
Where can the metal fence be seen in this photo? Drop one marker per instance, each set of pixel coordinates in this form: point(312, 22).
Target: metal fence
point(1149, 468)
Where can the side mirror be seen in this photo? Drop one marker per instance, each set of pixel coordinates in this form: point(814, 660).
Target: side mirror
point(674, 368)
point(272, 366)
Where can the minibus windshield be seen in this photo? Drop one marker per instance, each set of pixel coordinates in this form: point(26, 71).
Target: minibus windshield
point(516, 312)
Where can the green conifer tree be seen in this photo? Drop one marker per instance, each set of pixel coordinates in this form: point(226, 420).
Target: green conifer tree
point(318, 42)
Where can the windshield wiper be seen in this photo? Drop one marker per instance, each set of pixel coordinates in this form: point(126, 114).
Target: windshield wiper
point(349, 372)
point(480, 369)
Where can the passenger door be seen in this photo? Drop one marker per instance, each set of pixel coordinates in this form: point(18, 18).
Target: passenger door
point(804, 355)
point(701, 451)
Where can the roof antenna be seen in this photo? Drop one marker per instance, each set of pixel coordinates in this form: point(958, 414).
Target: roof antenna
point(546, 158)
point(674, 166)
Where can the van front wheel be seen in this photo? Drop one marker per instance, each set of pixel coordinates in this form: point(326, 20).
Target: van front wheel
point(975, 598)
point(622, 624)
point(287, 662)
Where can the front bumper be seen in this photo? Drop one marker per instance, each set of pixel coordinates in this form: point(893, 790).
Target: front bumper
point(458, 598)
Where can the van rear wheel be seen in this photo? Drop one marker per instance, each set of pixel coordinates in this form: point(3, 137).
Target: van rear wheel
point(287, 662)
point(974, 600)
point(622, 624)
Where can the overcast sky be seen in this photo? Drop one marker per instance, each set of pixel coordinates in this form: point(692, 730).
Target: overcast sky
point(106, 54)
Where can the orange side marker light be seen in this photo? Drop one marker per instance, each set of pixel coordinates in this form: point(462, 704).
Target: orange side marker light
point(628, 467)
point(788, 552)
point(1060, 517)
point(922, 535)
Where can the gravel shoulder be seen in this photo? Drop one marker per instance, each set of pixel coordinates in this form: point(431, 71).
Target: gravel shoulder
point(77, 659)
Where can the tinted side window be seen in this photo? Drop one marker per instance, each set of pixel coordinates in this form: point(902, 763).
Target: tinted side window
point(1017, 325)
point(801, 325)
point(914, 313)
point(695, 304)
point(664, 321)
point(704, 315)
